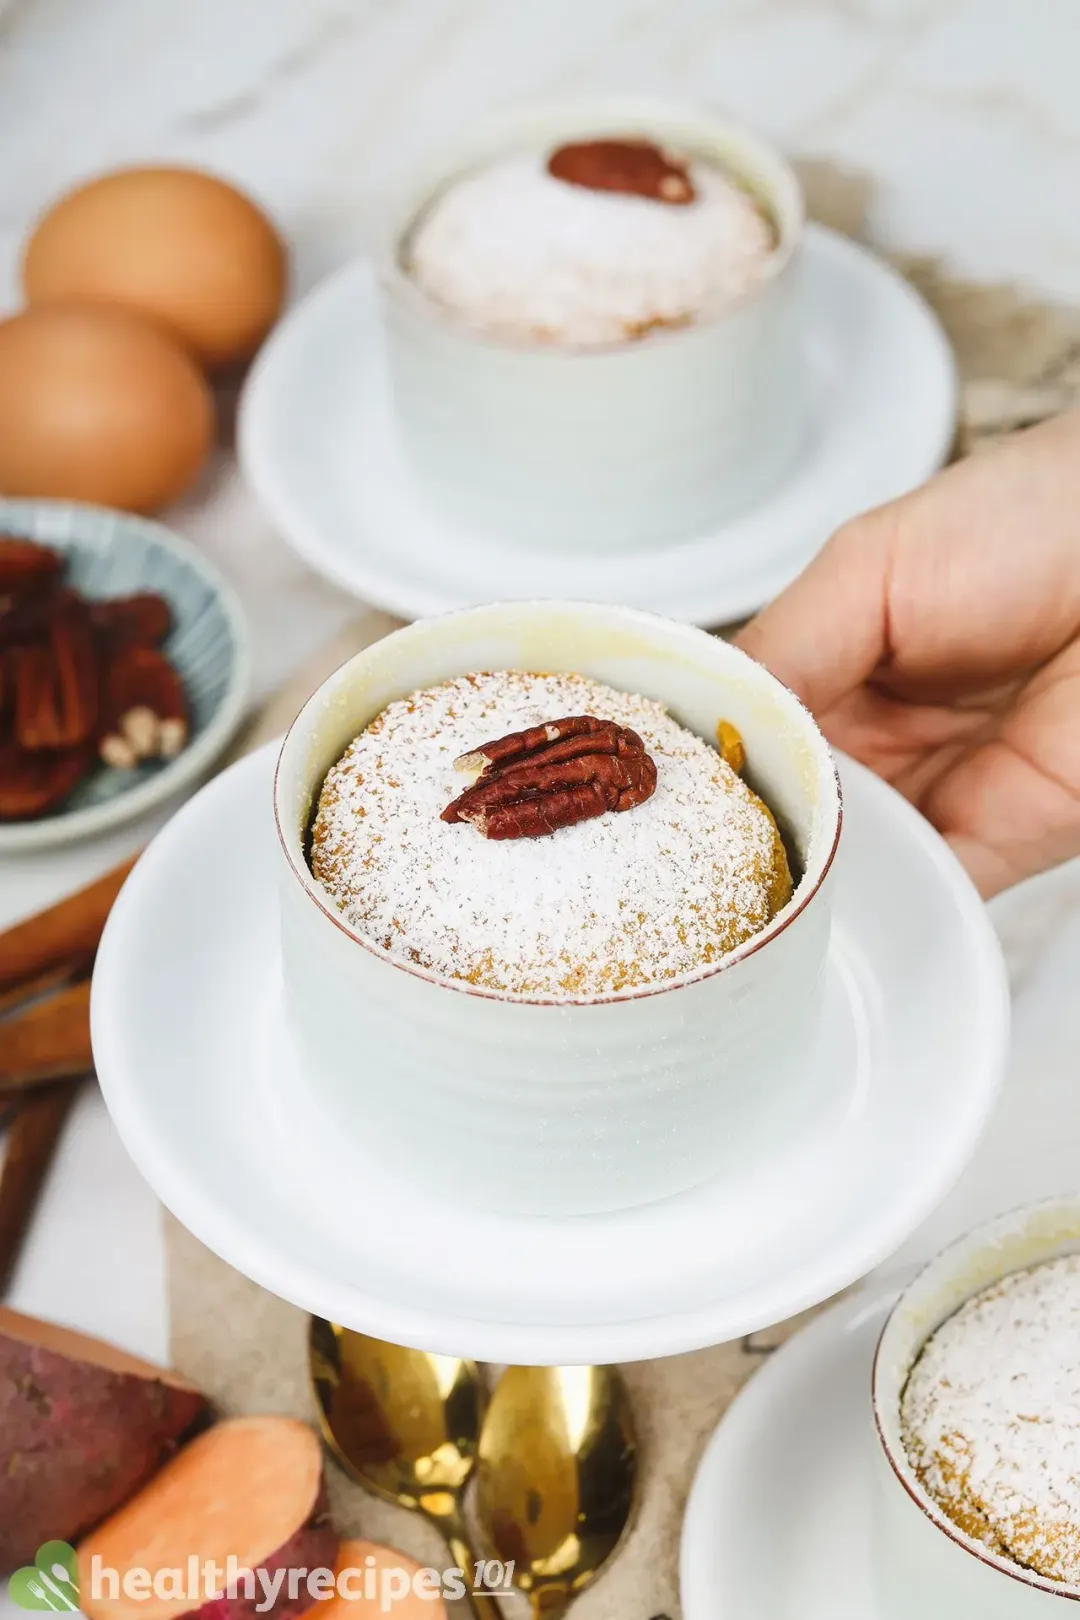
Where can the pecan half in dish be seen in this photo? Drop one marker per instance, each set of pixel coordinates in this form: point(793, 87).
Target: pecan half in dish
point(81, 680)
point(533, 782)
point(145, 712)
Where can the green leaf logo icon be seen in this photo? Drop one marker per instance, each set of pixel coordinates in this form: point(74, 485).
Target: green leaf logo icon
point(51, 1583)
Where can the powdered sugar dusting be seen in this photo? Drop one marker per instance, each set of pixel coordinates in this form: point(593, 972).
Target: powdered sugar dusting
point(991, 1418)
point(516, 253)
point(627, 899)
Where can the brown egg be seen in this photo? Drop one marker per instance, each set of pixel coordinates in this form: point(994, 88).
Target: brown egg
point(177, 245)
point(99, 405)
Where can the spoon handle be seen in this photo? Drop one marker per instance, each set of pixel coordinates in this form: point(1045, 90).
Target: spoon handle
point(549, 1603)
point(484, 1605)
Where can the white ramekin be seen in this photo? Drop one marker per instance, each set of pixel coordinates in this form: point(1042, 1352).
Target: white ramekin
point(927, 1568)
point(559, 1107)
point(614, 448)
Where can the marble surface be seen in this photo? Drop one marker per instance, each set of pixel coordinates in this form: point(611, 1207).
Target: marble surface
point(964, 111)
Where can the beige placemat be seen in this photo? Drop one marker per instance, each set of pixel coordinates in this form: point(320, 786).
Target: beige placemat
point(1020, 361)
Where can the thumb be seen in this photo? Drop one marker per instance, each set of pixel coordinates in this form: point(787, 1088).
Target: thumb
point(828, 631)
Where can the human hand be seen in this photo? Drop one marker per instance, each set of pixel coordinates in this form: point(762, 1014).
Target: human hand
point(937, 639)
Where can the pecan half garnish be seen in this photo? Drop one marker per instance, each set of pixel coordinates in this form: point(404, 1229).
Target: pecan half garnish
point(633, 166)
point(533, 782)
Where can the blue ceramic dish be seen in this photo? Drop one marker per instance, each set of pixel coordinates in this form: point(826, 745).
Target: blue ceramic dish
point(114, 554)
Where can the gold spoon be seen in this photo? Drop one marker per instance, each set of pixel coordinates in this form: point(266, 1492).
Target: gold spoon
point(556, 1478)
point(405, 1424)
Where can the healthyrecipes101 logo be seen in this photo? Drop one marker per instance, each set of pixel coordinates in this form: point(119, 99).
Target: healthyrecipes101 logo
point(50, 1582)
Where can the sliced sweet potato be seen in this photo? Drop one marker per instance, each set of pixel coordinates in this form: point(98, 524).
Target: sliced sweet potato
point(375, 1580)
point(249, 1490)
point(82, 1426)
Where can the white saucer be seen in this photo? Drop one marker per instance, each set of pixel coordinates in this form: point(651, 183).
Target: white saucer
point(197, 1072)
point(778, 1525)
point(317, 441)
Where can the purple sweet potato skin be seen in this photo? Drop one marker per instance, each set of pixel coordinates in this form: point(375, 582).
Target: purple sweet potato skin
point(314, 1546)
point(76, 1440)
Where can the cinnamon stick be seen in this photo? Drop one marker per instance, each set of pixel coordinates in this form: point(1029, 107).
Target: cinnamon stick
point(28, 1152)
point(58, 942)
point(49, 1041)
point(52, 978)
